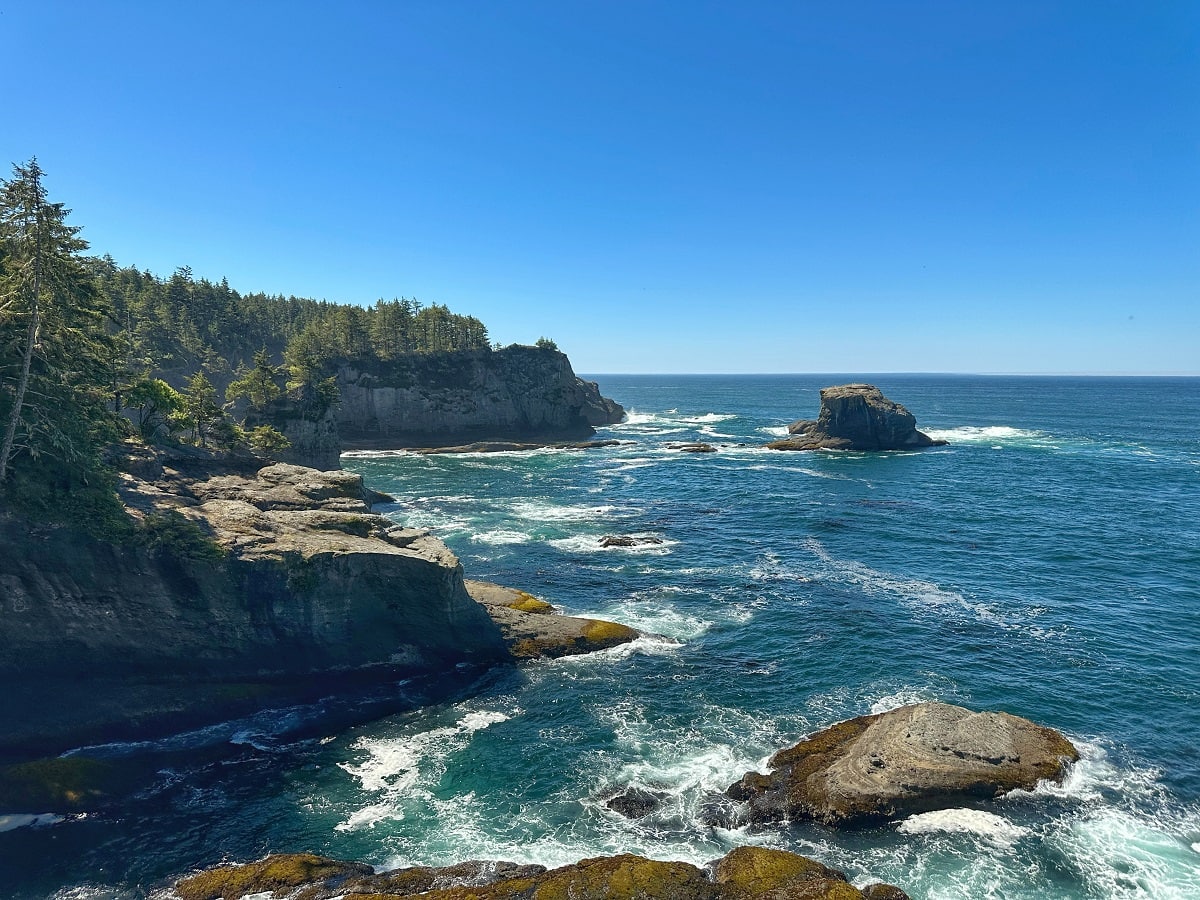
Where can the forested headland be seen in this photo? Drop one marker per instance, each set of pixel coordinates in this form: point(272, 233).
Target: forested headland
point(93, 353)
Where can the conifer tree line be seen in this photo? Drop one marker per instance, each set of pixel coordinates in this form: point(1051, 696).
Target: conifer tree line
point(92, 352)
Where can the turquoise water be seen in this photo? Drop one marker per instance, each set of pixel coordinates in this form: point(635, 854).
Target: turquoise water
point(1046, 562)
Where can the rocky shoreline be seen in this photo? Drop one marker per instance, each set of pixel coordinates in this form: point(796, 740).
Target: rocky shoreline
point(246, 585)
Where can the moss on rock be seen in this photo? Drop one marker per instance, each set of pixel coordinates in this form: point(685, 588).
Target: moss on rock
point(279, 874)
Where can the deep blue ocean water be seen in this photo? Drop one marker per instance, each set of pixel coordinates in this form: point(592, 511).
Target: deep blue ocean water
point(1046, 563)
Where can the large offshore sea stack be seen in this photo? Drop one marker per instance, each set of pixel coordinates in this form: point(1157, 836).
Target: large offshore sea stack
point(856, 417)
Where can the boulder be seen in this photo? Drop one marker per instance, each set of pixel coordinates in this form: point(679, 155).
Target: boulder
point(909, 760)
point(635, 802)
point(693, 448)
point(856, 417)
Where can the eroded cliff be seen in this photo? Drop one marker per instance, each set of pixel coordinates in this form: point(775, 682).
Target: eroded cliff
point(432, 399)
point(238, 587)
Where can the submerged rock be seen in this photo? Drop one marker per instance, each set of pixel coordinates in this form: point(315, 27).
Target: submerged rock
point(693, 448)
point(629, 540)
point(747, 873)
point(856, 417)
point(909, 760)
point(635, 802)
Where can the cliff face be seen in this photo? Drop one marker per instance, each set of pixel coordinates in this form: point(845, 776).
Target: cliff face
point(97, 639)
point(442, 398)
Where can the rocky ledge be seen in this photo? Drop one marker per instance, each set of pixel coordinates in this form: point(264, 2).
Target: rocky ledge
point(533, 629)
point(909, 760)
point(746, 873)
point(244, 586)
point(856, 417)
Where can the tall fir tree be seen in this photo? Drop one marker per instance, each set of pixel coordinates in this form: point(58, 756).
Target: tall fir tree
point(55, 357)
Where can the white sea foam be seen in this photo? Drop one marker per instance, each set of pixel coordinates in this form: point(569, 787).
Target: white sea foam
point(396, 767)
point(546, 511)
point(779, 431)
point(587, 543)
point(500, 536)
point(988, 434)
point(12, 821)
point(656, 618)
point(989, 826)
point(914, 592)
point(373, 454)
point(1119, 854)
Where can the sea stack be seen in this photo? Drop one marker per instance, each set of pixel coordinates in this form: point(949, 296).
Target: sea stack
point(856, 417)
point(909, 760)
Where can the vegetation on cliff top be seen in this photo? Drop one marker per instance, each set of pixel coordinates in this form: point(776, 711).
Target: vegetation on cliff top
point(92, 353)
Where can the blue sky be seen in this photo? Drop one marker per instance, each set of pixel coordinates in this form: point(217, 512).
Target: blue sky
point(660, 187)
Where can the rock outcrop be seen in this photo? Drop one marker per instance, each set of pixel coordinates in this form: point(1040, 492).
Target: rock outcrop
point(909, 760)
point(527, 394)
point(532, 629)
point(237, 584)
point(747, 873)
point(856, 417)
point(244, 586)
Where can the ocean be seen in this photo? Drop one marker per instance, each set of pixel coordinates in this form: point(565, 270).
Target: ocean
point(1046, 562)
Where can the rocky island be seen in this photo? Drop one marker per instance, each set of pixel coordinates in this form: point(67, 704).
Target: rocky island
point(856, 417)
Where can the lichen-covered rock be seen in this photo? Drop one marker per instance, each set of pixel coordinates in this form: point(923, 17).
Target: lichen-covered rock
point(279, 874)
point(747, 873)
point(856, 417)
point(531, 632)
point(439, 399)
point(913, 759)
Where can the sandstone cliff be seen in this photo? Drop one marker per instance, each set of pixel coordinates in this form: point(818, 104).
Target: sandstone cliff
point(434, 399)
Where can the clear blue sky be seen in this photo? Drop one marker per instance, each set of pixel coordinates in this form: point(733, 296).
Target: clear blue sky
point(660, 187)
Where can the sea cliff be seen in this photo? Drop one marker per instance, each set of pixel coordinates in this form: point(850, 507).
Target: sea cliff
point(432, 399)
point(243, 585)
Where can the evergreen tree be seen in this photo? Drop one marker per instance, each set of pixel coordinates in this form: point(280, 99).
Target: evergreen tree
point(202, 411)
point(258, 385)
point(55, 356)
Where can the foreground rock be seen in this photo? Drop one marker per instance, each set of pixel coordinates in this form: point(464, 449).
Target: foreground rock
point(856, 417)
point(243, 586)
point(532, 629)
point(746, 873)
point(909, 760)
